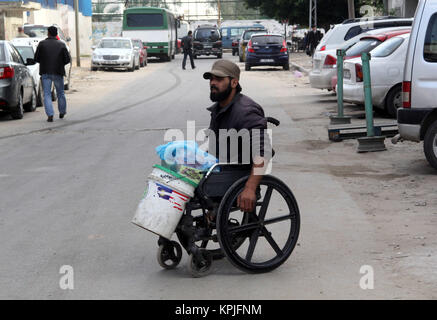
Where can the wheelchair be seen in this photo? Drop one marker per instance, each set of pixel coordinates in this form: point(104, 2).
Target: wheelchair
point(246, 239)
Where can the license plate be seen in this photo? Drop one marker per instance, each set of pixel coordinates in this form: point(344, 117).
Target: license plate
point(267, 60)
point(347, 74)
point(207, 47)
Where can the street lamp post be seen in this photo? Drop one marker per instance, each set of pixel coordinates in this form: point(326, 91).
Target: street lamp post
point(76, 13)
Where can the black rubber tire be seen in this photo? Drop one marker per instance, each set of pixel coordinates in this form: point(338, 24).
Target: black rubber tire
point(31, 105)
point(286, 66)
point(219, 56)
point(390, 102)
point(233, 53)
point(240, 58)
point(18, 112)
point(137, 66)
point(430, 145)
point(247, 67)
point(200, 268)
point(133, 67)
point(257, 226)
point(172, 251)
point(94, 68)
point(195, 56)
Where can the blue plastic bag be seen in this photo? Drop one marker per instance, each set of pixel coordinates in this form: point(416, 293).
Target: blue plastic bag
point(186, 153)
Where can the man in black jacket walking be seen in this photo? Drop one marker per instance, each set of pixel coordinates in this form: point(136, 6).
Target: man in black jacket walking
point(52, 56)
point(187, 44)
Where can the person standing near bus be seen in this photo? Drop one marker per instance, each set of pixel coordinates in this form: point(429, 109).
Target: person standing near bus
point(187, 45)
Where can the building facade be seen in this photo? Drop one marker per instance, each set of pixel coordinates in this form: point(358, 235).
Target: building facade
point(15, 13)
point(402, 8)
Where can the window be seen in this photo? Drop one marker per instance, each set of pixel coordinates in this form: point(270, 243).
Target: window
point(365, 45)
point(248, 34)
point(25, 52)
point(148, 20)
point(115, 43)
point(354, 31)
point(387, 47)
point(235, 32)
point(265, 40)
point(207, 34)
point(430, 47)
point(2, 52)
point(225, 32)
point(15, 55)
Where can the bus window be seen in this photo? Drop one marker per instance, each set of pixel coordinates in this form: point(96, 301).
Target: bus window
point(145, 20)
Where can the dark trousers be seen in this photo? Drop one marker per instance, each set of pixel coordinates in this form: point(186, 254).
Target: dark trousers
point(188, 53)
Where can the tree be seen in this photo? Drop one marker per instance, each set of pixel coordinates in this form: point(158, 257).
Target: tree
point(297, 11)
point(236, 10)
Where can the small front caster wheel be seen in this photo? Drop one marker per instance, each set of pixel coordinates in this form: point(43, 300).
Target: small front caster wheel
point(169, 255)
point(200, 267)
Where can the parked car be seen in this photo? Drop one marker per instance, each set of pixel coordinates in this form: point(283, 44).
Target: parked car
point(352, 28)
point(229, 33)
point(114, 53)
point(38, 32)
point(142, 48)
point(17, 91)
point(235, 47)
point(325, 62)
point(244, 40)
point(417, 119)
point(26, 47)
point(207, 41)
point(267, 50)
point(386, 71)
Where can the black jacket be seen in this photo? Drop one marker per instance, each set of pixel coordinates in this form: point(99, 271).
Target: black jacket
point(187, 43)
point(241, 113)
point(52, 55)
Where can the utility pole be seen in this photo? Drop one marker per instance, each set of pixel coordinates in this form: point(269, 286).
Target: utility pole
point(313, 13)
point(219, 8)
point(351, 8)
point(76, 12)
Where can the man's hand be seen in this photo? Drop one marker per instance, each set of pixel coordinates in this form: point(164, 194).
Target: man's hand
point(246, 200)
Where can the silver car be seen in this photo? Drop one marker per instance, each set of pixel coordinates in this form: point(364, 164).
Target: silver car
point(116, 52)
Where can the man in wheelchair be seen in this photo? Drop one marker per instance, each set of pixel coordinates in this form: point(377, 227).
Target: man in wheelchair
point(237, 118)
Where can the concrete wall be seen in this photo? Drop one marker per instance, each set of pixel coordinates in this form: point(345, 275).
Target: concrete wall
point(9, 23)
point(403, 8)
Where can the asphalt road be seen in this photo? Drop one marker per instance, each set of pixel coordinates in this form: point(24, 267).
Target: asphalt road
point(70, 190)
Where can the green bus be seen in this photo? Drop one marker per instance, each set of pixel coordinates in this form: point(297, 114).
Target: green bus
point(155, 27)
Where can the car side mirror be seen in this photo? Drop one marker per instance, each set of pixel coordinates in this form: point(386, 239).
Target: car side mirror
point(93, 47)
point(30, 62)
point(68, 39)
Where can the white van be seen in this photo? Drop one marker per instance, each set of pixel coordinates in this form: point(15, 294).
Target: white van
point(417, 120)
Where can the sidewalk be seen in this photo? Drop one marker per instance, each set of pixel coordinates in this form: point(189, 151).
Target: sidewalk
point(301, 62)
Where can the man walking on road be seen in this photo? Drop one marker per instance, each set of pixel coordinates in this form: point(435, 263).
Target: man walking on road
point(187, 45)
point(52, 55)
point(234, 111)
point(314, 37)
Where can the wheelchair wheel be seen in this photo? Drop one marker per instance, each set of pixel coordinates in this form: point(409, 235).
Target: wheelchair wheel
point(169, 255)
point(200, 267)
point(271, 230)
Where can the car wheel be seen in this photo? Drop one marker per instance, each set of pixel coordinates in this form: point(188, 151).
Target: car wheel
point(233, 53)
point(219, 56)
point(430, 145)
point(247, 67)
point(94, 68)
point(132, 69)
point(195, 56)
point(287, 66)
point(31, 105)
point(173, 57)
point(241, 59)
point(19, 110)
point(39, 96)
point(137, 66)
point(394, 101)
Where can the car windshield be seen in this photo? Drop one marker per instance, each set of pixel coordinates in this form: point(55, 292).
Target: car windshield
point(36, 31)
point(387, 48)
point(25, 52)
point(365, 45)
point(248, 34)
point(264, 40)
point(207, 34)
point(115, 43)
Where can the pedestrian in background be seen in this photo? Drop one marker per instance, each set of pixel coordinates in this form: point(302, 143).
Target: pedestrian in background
point(21, 33)
point(314, 37)
point(52, 56)
point(187, 45)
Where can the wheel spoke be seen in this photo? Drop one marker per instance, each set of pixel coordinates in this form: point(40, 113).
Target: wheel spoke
point(272, 242)
point(279, 219)
point(204, 244)
point(252, 244)
point(265, 203)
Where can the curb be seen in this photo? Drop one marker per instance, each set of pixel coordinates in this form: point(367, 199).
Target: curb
point(300, 68)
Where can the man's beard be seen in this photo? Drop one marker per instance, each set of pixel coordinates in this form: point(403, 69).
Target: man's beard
point(220, 96)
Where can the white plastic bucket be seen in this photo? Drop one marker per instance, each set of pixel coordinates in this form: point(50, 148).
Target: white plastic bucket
point(163, 204)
